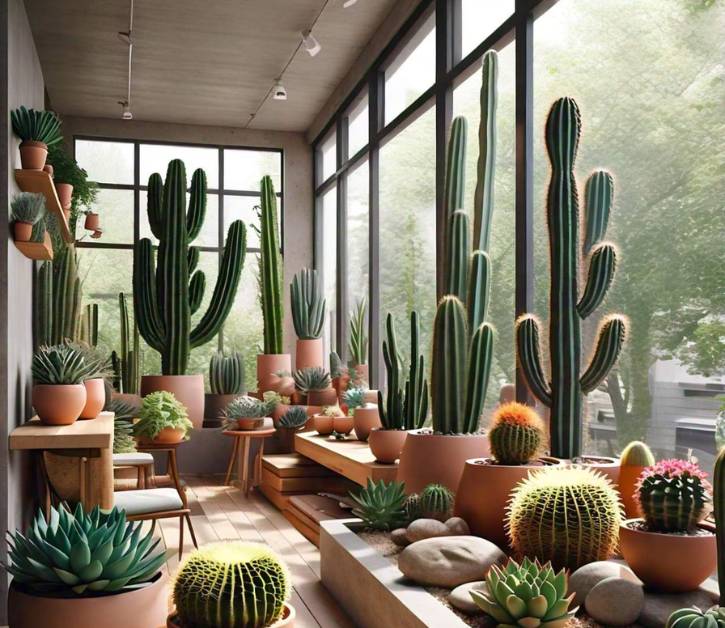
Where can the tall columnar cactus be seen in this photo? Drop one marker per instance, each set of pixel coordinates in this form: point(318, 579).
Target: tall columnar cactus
point(129, 359)
point(89, 324)
point(58, 298)
point(270, 269)
point(563, 393)
point(166, 294)
point(226, 373)
point(308, 304)
point(718, 500)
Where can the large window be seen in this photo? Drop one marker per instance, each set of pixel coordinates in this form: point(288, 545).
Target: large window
point(106, 266)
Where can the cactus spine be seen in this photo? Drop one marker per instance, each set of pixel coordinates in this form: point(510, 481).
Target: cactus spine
point(270, 269)
point(563, 394)
point(167, 293)
point(308, 304)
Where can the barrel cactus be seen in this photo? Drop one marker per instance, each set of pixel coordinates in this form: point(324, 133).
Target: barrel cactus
point(567, 515)
point(381, 505)
point(435, 502)
point(226, 373)
point(231, 585)
point(516, 434)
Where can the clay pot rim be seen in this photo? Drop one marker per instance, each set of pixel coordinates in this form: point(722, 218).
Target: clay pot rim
point(427, 431)
point(703, 525)
point(82, 384)
point(34, 143)
point(50, 595)
point(391, 429)
point(592, 460)
point(487, 461)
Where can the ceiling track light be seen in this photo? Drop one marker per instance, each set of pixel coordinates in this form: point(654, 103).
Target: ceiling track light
point(278, 91)
point(127, 38)
point(126, 110)
point(310, 43)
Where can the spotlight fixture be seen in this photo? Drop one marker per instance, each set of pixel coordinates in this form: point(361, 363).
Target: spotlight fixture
point(126, 114)
point(278, 91)
point(309, 41)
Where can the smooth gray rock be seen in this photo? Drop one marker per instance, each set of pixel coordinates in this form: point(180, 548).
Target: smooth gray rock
point(398, 536)
point(425, 529)
point(457, 527)
point(460, 597)
point(449, 561)
point(584, 578)
point(659, 606)
point(615, 601)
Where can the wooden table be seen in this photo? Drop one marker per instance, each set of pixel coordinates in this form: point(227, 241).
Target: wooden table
point(240, 452)
point(172, 469)
point(351, 458)
point(90, 440)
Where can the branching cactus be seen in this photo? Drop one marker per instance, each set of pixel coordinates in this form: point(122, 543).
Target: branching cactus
point(167, 293)
point(308, 304)
point(563, 391)
point(270, 269)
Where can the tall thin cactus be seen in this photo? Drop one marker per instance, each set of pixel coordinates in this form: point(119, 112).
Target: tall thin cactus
point(567, 383)
point(58, 298)
point(718, 501)
point(89, 324)
point(130, 357)
point(270, 269)
point(308, 304)
point(357, 346)
point(166, 294)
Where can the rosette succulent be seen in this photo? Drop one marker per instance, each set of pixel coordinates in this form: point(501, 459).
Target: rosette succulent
point(381, 505)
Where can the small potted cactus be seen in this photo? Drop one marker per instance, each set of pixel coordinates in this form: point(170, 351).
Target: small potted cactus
point(308, 317)
point(381, 505)
point(226, 381)
point(635, 458)
point(671, 549)
point(245, 585)
point(99, 367)
point(291, 422)
point(163, 419)
point(324, 422)
point(247, 413)
point(315, 384)
point(517, 437)
point(358, 345)
point(433, 502)
point(365, 416)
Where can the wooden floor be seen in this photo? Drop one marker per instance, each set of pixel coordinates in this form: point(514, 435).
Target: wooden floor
point(223, 513)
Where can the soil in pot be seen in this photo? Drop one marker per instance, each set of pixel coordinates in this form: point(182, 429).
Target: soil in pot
point(365, 420)
point(59, 404)
point(95, 398)
point(188, 389)
point(386, 445)
point(33, 155)
point(323, 424)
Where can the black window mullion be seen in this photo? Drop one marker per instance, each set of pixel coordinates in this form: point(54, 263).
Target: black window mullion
point(341, 193)
point(136, 192)
point(220, 232)
point(376, 109)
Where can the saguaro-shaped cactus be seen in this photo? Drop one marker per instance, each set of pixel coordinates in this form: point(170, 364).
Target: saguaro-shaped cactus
point(563, 393)
point(270, 269)
point(168, 293)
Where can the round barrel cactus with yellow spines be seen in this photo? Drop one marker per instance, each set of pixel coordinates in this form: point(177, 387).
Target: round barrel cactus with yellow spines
point(516, 434)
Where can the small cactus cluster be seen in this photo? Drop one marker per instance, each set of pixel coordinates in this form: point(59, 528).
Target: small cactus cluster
point(673, 495)
point(381, 505)
point(294, 418)
point(312, 378)
point(516, 434)
point(235, 585)
point(435, 501)
point(246, 407)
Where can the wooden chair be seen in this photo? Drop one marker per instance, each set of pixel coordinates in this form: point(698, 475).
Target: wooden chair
point(142, 462)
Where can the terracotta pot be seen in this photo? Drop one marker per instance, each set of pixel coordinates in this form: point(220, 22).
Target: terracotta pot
point(188, 389)
point(95, 398)
point(342, 424)
point(67, 214)
point(279, 411)
point(370, 396)
point(92, 222)
point(286, 439)
point(365, 419)
point(313, 410)
point(484, 492)
point(360, 374)
point(341, 384)
point(268, 365)
point(249, 424)
point(603, 464)
point(167, 436)
point(286, 621)
point(309, 353)
point(22, 231)
point(131, 399)
point(323, 424)
point(33, 155)
point(298, 398)
point(214, 407)
point(673, 563)
point(628, 477)
point(65, 194)
point(327, 397)
point(429, 458)
point(59, 404)
point(139, 608)
point(386, 445)
point(49, 169)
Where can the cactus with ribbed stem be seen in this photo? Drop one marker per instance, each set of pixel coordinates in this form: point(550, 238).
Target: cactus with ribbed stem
point(637, 454)
point(226, 373)
point(566, 385)
point(308, 304)
point(435, 502)
point(89, 324)
point(516, 434)
point(129, 359)
point(718, 488)
point(167, 293)
point(58, 298)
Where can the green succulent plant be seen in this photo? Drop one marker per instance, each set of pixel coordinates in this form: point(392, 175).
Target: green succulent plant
point(312, 378)
point(95, 552)
point(160, 410)
point(381, 505)
point(695, 618)
point(28, 207)
point(97, 362)
point(529, 595)
point(123, 416)
point(308, 304)
point(294, 418)
point(337, 368)
point(354, 398)
point(435, 502)
point(67, 170)
point(60, 365)
point(358, 343)
point(412, 507)
point(246, 407)
point(38, 126)
point(226, 373)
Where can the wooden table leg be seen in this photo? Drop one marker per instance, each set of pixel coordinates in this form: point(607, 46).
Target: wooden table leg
point(174, 472)
point(244, 462)
point(258, 464)
point(233, 457)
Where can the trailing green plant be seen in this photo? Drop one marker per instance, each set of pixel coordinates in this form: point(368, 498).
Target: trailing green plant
point(160, 410)
point(673, 495)
point(128, 365)
point(354, 398)
point(381, 505)
point(637, 454)
point(67, 170)
point(61, 364)
point(234, 585)
point(526, 594)
point(312, 378)
point(516, 434)
point(406, 404)
point(357, 346)
point(168, 293)
point(226, 373)
point(567, 515)
point(695, 618)
point(35, 125)
point(27, 207)
point(123, 416)
point(81, 553)
point(294, 419)
point(88, 331)
point(563, 390)
point(436, 502)
point(308, 304)
point(58, 298)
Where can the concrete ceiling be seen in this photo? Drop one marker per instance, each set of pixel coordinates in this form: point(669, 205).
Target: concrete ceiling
point(199, 62)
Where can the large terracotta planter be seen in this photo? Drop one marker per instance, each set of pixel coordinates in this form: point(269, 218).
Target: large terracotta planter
point(484, 492)
point(327, 397)
point(673, 563)
point(65, 194)
point(22, 231)
point(59, 404)
point(33, 155)
point(323, 424)
point(286, 621)
point(268, 367)
point(95, 398)
point(167, 436)
point(146, 607)
point(429, 458)
point(188, 389)
point(386, 445)
point(365, 419)
point(628, 477)
point(309, 353)
point(214, 407)
point(342, 424)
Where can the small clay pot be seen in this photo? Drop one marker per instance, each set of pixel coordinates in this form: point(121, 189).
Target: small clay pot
point(49, 169)
point(65, 194)
point(286, 621)
point(342, 424)
point(370, 396)
point(323, 424)
point(22, 231)
point(327, 397)
point(365, 419)
point(95, 398)
point(167, 436)
point(268, 365)
point(386, 445)
point(92, 222)
point(33, 155)
point(672, 563)
point(247, 424)
point(59, 404)
point(309, 353)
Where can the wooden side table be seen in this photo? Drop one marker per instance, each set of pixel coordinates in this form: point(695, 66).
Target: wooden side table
point(172, 469)
point(242, 442)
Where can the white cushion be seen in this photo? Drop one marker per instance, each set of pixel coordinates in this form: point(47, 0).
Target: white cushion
point(133, 459)
point(149, 500)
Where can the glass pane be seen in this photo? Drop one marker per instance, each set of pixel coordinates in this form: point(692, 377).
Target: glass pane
point(412, 72)
point(358, 236)
point(106, 162)
point(243, 208)
point(408, 230)
point(209, 234)
point(116, 210)
point(329, 265)
point(156, 158)
point(328, 157)
point(652, 115)
point(479, 18)
point(357, 126)
point(244, 169)
point(466, 102)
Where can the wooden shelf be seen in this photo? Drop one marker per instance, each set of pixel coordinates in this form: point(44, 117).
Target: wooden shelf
point(90, 434)
point(37, 250)
point(40, 181)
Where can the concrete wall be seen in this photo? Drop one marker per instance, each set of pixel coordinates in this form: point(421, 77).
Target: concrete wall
point(22, 84)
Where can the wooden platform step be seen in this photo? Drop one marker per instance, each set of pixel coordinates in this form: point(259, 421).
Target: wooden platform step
point(305, 512)
point(294, 466)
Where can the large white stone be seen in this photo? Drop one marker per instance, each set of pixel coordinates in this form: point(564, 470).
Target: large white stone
point(426, 528)
point(615, 601)
point(583, 579)
point(461, 599)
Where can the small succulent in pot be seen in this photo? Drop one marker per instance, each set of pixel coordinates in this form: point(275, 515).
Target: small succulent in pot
point(381, 505)
point(312, 378)
point(516, 434)
point(27, 209)
point(162, 418)
point(247, 413)
point(294, 419)
point(354, 398)
point(695, 618)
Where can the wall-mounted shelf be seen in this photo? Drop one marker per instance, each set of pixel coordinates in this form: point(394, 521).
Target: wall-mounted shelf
point(40, 181)
point(37, 250)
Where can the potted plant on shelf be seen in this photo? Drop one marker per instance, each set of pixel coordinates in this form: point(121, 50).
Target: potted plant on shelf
point(226, 381)
point(314, 383)
point(37, 131)
point(85, 570)
point(308, 317)
point(71, 183)
point(167, 293)
point(324, 422)
point(671, 549)
point(163, 419)
point(358, 345)
point(205, 594)
point(27, 209)
point(563, 390)
point(291, 422)
point(247, 413)
point(365, 416)
point(635, 458)
point(516, 438)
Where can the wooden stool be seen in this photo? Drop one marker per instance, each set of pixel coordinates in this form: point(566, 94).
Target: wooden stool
point(242, 441)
